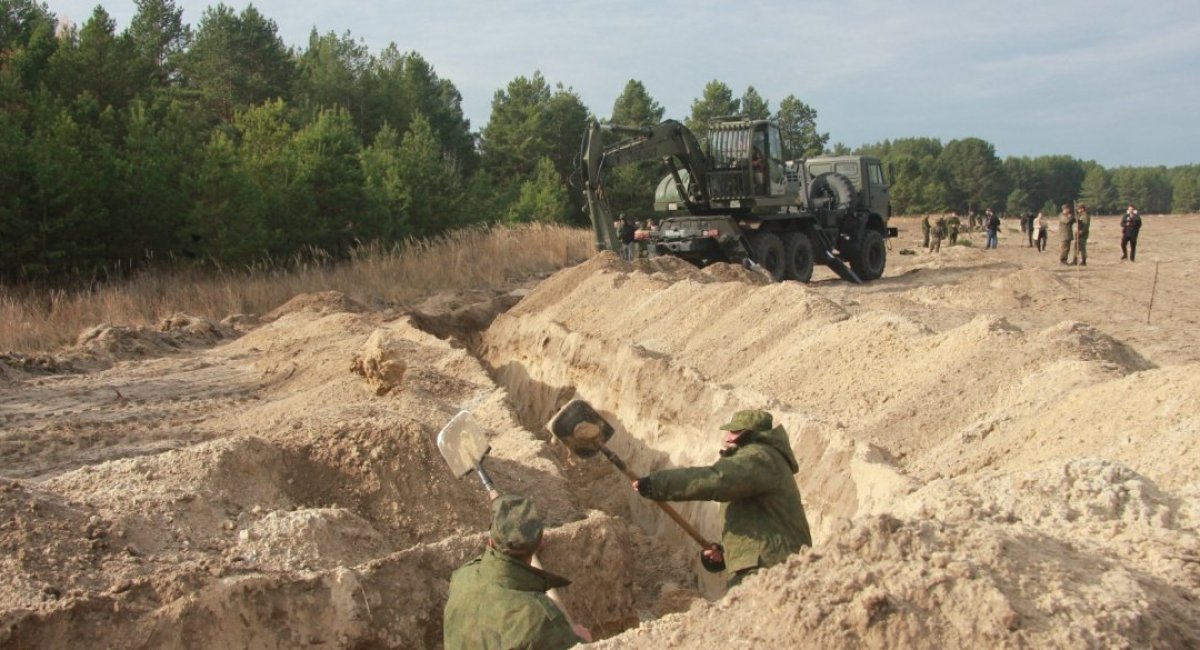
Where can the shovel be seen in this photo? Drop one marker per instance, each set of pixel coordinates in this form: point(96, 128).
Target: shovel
point(463, 445)
point(585, 433)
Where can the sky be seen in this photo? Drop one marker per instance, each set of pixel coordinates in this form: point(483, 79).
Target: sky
point(1117, 82)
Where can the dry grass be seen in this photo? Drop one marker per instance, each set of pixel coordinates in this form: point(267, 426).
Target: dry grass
point(463, 259)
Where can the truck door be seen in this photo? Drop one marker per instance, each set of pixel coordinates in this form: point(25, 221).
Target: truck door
point(877, 188)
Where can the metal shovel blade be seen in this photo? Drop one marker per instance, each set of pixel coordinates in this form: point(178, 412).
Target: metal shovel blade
point(580, 428)
point(463, 443)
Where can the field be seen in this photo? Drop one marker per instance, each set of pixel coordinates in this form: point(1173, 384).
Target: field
point(996, 451)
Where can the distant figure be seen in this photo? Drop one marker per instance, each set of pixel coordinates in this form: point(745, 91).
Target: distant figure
point(972, 221)
point(1027, 219)
point(1040, 226)
point(993, 229)
point(642, 238)
point(1066, 232)
point(952, 225)
point(925, 226)
point(626, 234)
point(1131, 224)
point(937, 234)
point(1083, 224)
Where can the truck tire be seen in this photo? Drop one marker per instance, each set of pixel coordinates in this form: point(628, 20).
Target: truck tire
point(798, 254)
point(870, 259)
point(768, 251)
point(830, 191)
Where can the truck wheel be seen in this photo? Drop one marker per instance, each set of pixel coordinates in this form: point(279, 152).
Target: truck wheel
point(871, 257)
point(798, 252)
point(831, 191)
point(768, 251)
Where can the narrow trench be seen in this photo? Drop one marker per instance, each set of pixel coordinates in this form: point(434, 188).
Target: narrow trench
point(664, 576)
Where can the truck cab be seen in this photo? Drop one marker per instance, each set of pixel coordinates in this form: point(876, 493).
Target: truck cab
point(866, 176)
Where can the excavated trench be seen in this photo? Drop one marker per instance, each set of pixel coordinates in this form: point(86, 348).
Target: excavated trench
point(307, 505)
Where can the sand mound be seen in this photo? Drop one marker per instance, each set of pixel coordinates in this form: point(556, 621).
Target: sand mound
point(887, 582)
point(323, 302)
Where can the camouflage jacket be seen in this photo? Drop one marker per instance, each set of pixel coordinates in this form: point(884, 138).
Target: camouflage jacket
point(498, 602)
point(1083, 225)
point(1066, 227)
point(764, 519)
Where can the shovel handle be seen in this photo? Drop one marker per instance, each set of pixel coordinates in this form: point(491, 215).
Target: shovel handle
point(486, 480)
point(683, 523)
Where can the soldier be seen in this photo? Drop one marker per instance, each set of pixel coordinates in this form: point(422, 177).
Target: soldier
point(498, 600)
point(764, 519)
point(1083, 223)
point(1131, 225)
point(1066, 232)
point(952, 226)
point(939, 233)
point(925, 231)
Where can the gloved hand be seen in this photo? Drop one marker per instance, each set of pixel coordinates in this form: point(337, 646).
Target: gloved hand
point(713, 558)
point(642, 485)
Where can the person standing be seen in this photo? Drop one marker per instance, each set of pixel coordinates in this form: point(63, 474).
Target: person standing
point(993, 229)
point(1083, 224)
point(1066, 232)
point(1131, 225)
point(952, 225)
point(925, 226)
point(1027, 217)
point(764, 520)
point(937, 235)
point(1041, 226)
point(626, 234)
point(498, 600)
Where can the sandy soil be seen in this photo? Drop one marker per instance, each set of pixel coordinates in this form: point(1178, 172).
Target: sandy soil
point(996, 450)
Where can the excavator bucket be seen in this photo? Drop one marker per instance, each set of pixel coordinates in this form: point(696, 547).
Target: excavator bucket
point(580, 428)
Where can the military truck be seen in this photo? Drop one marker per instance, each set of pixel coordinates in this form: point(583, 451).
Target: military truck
point(735, 199)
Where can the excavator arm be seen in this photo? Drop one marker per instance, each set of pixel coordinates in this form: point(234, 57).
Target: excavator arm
point(669, 142)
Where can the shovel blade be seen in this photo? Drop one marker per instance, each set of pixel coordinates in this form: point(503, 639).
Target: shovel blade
point(580, 428)
point(462, 443)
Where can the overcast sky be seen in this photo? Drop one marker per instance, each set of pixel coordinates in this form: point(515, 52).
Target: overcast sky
point(1117, 82)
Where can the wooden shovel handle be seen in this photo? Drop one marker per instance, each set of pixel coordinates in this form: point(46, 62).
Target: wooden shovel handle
point(683, 523)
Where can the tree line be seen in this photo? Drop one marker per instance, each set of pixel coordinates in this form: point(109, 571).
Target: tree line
point(219, 144)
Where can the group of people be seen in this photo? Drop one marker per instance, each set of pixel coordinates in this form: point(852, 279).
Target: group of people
point(941, 228)
point(1074, 227)
point(635, 237)
point(499, 599)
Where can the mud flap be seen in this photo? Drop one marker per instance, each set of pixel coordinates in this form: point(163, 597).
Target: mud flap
point(834, 262)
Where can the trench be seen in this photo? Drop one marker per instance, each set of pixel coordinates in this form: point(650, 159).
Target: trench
point(629, 562)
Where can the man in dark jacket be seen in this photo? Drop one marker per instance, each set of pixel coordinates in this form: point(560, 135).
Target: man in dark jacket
point(498, 600)
point(1131, 225)
point(754, 478)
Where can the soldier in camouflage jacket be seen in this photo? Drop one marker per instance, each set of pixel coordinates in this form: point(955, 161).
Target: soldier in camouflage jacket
point(754, 479)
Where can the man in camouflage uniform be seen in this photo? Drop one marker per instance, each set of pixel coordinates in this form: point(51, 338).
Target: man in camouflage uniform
point(764, 519)
point(498, 600)
point(939, 233)
point(1066, 232)
point(1083, 224)
point(952, 225)
point(925, 227)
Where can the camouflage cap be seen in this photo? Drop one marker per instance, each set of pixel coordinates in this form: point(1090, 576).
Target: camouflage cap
point(516, 526)
point(752, 420)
